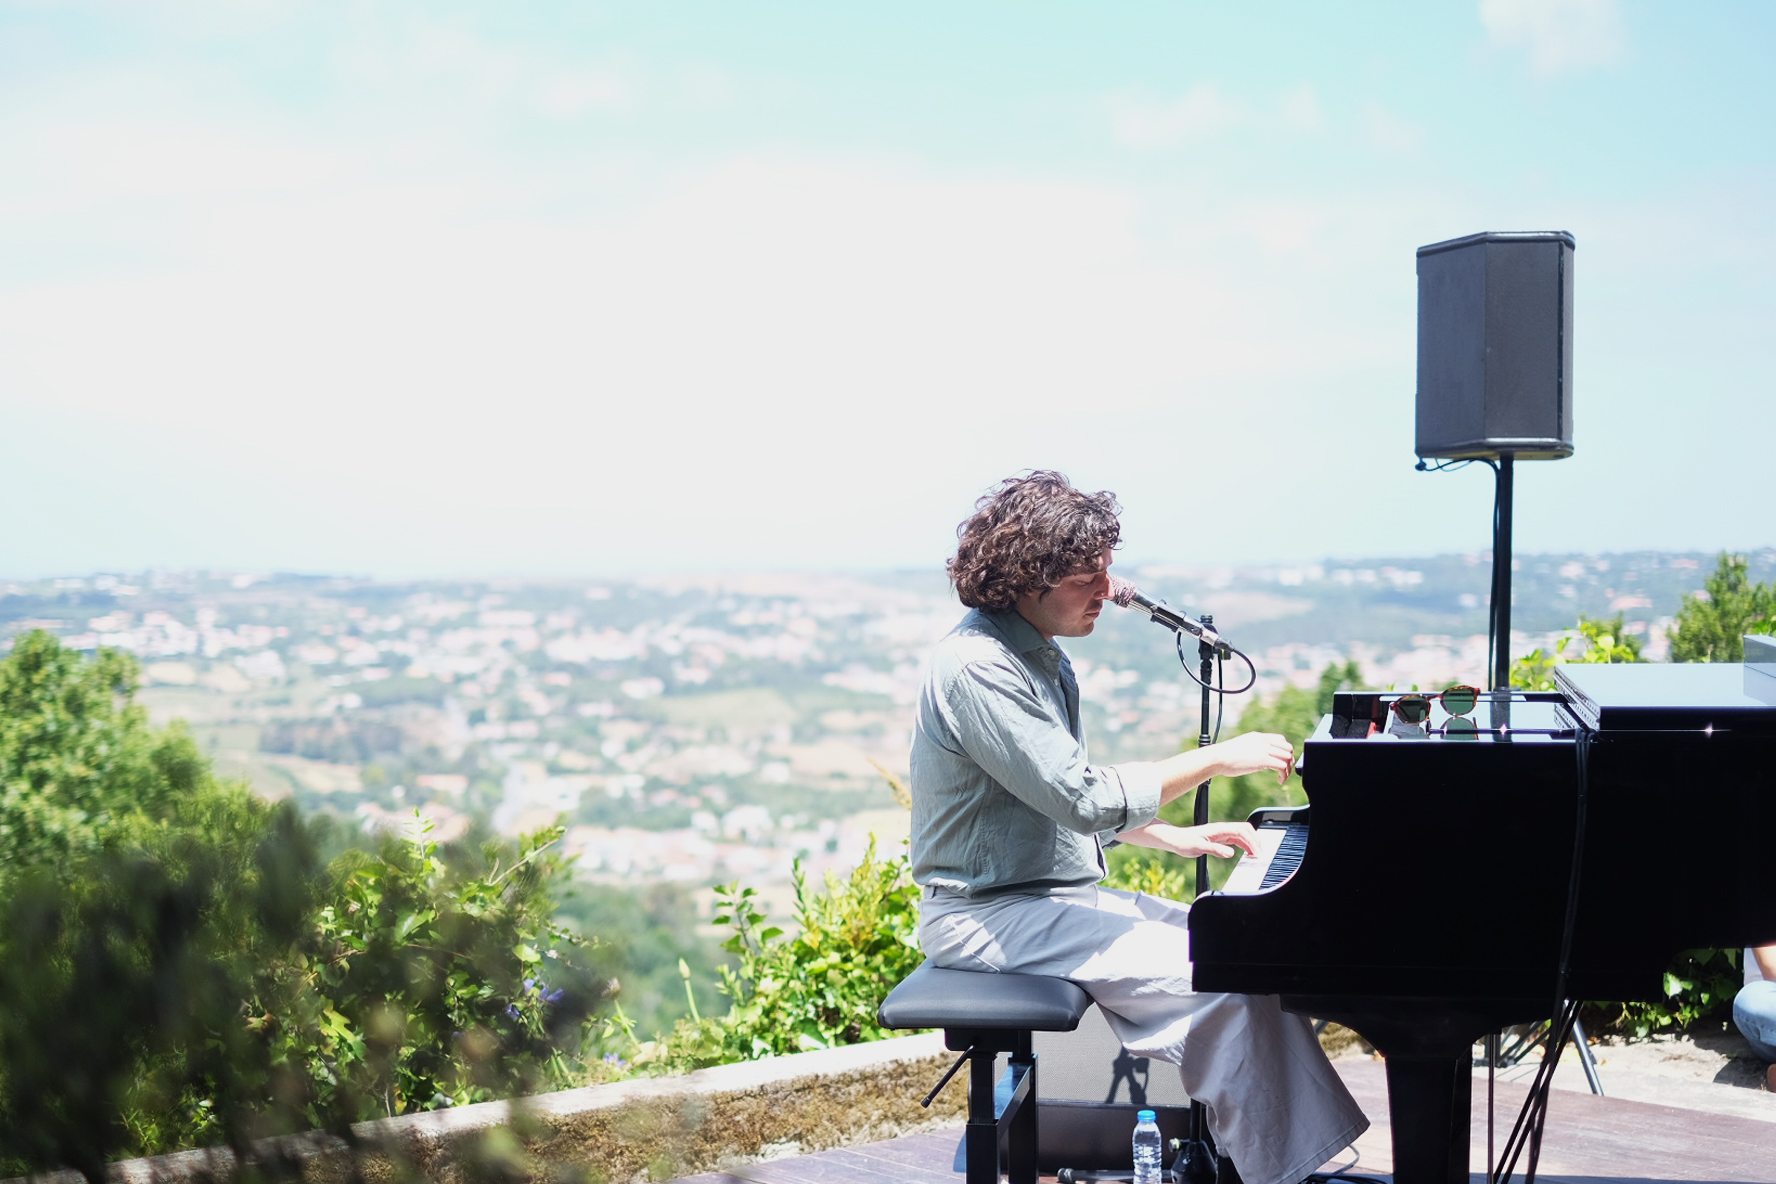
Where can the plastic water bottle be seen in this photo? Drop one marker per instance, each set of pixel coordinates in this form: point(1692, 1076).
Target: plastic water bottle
point(1147, 1148)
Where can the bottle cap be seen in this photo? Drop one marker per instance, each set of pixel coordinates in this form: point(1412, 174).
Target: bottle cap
point(1146, 1116)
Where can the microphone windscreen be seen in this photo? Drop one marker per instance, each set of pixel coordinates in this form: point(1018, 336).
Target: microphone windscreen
point(1121, 591)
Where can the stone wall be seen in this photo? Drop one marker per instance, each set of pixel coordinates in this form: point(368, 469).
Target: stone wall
point(645, 1129)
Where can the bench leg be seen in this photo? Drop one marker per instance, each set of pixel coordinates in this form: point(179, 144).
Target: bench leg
point(981, 1138)
point(1021, 1130)
point(1001, 1132)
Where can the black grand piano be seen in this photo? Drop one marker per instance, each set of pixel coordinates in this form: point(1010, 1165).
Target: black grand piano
point(1449, 870)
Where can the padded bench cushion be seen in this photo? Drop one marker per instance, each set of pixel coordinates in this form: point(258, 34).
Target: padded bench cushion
point(931, 997)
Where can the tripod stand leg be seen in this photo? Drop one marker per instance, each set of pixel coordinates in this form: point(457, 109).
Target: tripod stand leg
point(1587, 1060)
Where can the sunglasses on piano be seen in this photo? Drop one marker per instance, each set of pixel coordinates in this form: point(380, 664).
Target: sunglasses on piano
point(1416, 709)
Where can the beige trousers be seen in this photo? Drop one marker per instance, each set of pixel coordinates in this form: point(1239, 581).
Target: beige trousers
point(1276, 1107)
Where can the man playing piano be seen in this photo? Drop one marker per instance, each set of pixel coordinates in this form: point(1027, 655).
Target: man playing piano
point(1010, 821)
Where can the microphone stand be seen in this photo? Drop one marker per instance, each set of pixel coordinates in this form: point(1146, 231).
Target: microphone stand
point(1202, 791)
point(1198, 1162)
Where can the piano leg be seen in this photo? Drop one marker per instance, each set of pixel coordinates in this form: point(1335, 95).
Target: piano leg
point(1428, 1101)
point(1428, 1044)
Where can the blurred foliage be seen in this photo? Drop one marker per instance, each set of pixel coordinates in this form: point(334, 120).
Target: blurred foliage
point(420, 982)
point(1141, 869)
point(1604, 641)
point(122, 978)
point(178, 968)
point(1293, 713)
point(816, 989)
point(1711, 625)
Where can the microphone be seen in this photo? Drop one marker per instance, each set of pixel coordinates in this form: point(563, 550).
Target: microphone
point(1127, 595)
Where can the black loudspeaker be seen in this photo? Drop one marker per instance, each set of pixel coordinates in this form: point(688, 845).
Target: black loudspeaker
point(1495, 346)
point(1091, 1089)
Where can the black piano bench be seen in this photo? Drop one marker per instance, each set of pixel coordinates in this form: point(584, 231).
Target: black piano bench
point(982, 1015)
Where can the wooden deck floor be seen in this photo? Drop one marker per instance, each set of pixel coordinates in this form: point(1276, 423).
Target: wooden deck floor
point(1589, 1140)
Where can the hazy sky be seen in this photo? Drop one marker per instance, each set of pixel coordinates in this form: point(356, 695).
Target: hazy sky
point(535, 288)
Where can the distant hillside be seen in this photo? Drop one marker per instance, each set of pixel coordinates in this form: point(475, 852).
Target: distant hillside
point(1385, 602)
point(696, 726)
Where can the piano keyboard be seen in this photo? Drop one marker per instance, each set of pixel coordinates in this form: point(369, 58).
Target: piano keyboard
point(1280, 847)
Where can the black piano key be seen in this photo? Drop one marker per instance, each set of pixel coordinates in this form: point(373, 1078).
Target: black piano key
point(1287, 858)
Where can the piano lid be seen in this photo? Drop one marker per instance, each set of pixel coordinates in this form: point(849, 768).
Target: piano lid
point(1760, 661)
point(1667, 696)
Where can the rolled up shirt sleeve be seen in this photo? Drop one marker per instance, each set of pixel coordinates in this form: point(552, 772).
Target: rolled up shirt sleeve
point(1011, 733)
point(1140, 786)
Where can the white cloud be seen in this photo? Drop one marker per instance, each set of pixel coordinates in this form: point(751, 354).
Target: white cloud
point(1388, 132)
point(1300, 108)
point(460, 360)
point(569, 94)
point(767, 280)
point(391, 331)
point(1202, 113)
point(1560, 35)
point(1285, 228)
point(451, 67)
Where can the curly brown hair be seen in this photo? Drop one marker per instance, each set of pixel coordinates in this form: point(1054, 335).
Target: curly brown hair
point(1026, 534)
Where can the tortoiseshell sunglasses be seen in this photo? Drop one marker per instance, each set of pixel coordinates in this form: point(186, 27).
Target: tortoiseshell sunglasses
point(1456, 700)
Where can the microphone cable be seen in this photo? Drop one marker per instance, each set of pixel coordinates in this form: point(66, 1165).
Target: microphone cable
point(1493, 640)
point(1222, 651)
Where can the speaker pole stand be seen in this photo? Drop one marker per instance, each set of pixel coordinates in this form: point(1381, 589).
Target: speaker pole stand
point(1201, 805)
point(1501, 575)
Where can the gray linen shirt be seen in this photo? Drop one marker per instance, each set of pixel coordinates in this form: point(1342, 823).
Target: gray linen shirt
point(1004, 799)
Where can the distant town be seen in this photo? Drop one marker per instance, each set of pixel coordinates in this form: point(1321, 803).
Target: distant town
point(696, 729)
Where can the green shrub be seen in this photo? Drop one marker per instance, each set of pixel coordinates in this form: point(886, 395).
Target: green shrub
point(1605, 642)
point(77, 755)
point(817, 989)
point(1699, 990)
point(421, 983)
point(121, 988)
point(1711, 626)
point(1165, 876)
point(178, 968)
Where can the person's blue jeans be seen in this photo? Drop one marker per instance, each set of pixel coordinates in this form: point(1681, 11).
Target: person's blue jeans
point(1754, 1011)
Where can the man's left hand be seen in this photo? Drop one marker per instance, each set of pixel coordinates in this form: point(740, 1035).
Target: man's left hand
point(1254, 752)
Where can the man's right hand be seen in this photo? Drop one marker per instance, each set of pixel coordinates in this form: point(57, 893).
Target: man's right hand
point(1220, 839)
